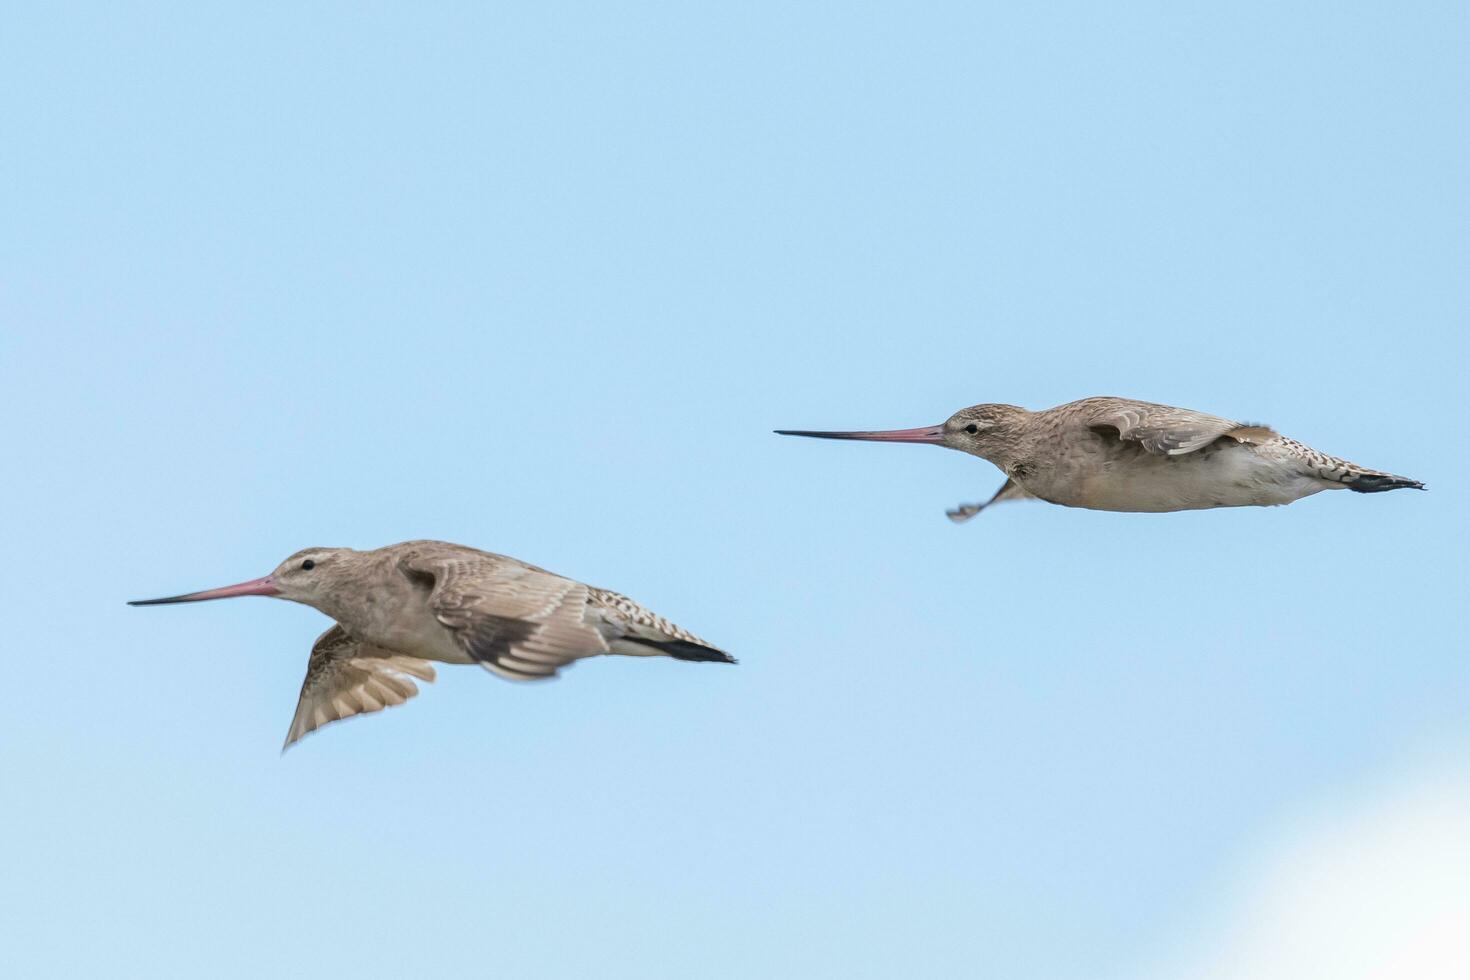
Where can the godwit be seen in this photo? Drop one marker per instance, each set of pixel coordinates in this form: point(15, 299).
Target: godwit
point(1119, 454)
point(399, 607)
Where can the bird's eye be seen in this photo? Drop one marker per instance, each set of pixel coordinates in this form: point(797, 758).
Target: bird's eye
point(308, 565)
point(972, 428)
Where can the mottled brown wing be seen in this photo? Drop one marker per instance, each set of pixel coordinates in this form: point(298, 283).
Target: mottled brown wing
point(1167, 431)
point(522, 622)
point(346, 677)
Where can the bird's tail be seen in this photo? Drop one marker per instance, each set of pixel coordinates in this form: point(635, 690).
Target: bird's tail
point(1360, 479)
point(684, 650)
point(1371, 482)
point(1340, 471)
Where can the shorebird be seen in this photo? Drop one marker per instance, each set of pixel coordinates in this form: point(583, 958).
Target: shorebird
point(1124, 455)
point(400, 607)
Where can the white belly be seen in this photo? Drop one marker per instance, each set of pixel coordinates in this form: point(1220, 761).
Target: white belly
point(1224, 476)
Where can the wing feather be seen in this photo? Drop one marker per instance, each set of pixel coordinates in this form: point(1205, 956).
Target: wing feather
point(1168, 431)
point(514, 619)
point(347, 677)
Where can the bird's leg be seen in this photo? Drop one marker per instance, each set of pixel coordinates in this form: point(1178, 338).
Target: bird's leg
point(964, 512)
point(1010, 490)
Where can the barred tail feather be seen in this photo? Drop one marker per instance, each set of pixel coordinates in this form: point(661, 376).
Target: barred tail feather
point(683, 650)
point(1379, 482)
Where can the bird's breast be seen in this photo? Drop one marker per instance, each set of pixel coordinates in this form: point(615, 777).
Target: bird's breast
point(406, 624)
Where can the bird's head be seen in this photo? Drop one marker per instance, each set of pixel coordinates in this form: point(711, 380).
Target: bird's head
point(305, 577)
point(987, 431)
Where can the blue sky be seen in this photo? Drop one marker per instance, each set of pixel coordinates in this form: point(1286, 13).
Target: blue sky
point(541, 279)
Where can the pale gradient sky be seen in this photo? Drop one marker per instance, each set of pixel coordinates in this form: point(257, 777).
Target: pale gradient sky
point(541, 279)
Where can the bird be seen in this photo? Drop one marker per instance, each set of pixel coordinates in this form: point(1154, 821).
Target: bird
point(1118, 454)
point(400, 608)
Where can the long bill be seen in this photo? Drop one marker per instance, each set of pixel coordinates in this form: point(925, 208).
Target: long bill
point(256, 586)
point(929, 434)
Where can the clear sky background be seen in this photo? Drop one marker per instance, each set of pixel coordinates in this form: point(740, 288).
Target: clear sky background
point(541, 279)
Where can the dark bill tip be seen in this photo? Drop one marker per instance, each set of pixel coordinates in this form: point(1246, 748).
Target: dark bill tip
point(256, 586)
point(929, 434)
point(815, 434)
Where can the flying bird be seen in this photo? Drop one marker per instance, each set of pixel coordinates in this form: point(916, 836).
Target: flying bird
point(399, 608)
point(1124, 455)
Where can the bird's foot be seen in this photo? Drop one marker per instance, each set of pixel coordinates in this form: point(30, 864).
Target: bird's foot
point(964, 512)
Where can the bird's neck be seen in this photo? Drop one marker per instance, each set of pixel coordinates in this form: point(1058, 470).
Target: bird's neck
point(1002, 447)
point(366, 598)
